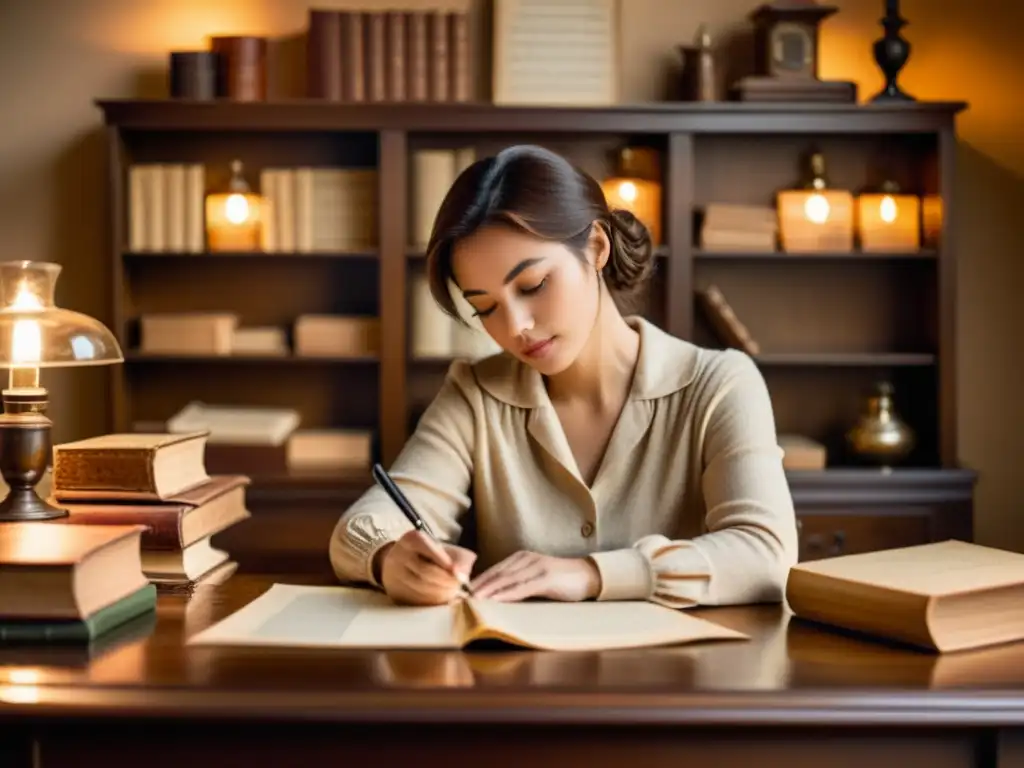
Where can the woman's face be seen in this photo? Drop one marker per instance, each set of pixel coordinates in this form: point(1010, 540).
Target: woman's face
point(537, 299)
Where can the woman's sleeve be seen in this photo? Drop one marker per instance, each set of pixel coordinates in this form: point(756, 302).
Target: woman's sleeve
point(433, 470)
point(751, 539)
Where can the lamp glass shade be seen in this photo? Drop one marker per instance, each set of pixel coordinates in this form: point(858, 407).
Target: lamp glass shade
point(35, 333)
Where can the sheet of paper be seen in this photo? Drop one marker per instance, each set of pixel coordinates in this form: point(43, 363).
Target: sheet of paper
point(597, 625)
point(289, 615)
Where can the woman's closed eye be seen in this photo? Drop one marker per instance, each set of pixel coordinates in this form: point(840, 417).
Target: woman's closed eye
point(529, 291)
point(525, 291)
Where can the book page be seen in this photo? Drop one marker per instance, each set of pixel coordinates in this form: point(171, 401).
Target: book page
point(592, 626)
point(290, 615)
point(942, 568)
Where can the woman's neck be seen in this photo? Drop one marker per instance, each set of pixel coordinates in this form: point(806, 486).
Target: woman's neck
point(603, 371)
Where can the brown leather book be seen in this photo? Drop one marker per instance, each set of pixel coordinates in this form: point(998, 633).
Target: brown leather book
point(176, 522)
point(67, 571)
point(376, 55)
point(353, 58)
point(323, 56)
point(459, 64)
point(438, 72)
point(129, 466)
point(416, 55)
point(395, 63)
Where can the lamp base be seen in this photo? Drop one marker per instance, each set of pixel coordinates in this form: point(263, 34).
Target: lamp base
point(24, 454)
point(24, 505)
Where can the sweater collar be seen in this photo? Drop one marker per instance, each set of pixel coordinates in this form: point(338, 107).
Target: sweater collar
point(665, 365)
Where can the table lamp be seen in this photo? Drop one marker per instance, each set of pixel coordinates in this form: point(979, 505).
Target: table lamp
point(35, 334)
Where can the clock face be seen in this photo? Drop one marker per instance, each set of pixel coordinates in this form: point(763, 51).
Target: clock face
point(792, 50)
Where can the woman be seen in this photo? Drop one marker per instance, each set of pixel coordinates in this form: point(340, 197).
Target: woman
point(602, 458)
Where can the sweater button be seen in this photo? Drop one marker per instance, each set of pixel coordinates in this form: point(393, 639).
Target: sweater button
point(587, 530)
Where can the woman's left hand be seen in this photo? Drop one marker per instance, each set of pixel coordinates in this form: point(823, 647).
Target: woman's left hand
point(528, 574)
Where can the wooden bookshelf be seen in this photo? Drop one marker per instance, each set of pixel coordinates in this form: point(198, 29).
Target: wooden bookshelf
point(829, 324)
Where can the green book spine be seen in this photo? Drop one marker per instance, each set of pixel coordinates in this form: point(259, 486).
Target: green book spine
point(29, 631)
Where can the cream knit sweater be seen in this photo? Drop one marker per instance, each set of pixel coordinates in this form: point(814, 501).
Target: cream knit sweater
point(690, 505)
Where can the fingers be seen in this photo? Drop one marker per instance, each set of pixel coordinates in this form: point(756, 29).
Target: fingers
point(420, 571)
point(518, 568)
point(432, 578)
point(462, 558)
point(530, 585)
point(496, 570)
point(427, 548)
point(419, 582)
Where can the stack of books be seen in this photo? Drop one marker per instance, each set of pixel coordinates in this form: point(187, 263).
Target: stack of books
point(157, 481)
point(71, 583)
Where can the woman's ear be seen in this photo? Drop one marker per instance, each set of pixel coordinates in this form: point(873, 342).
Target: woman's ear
point(599, 244)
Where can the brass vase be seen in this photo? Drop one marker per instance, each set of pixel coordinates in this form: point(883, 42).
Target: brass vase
point(880, 436)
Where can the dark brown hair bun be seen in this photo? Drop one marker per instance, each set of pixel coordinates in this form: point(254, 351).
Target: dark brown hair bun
point(630, 263)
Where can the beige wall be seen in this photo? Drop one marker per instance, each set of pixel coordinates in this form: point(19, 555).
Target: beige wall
point(56, 56)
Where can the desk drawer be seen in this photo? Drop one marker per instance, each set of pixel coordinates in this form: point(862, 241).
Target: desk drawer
point(845, 534)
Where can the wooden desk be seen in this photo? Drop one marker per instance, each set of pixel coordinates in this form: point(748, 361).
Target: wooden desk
point(792, 696)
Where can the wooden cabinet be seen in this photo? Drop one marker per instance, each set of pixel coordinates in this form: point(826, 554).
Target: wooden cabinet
point(830, 325)
point(848, 511)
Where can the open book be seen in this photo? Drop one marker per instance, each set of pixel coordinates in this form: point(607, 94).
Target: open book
point(344, 617)
point(946, 596)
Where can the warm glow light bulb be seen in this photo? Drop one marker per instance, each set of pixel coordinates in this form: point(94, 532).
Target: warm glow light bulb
point(627, 192)
point(26, 339)
point(26, 342)
point(817, 209)
point(236, 209)
point(887, 209)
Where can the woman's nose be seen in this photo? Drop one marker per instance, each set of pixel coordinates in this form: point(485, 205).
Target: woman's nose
point(519, 319)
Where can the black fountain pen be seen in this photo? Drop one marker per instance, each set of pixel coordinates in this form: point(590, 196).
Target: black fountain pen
point(384, 481)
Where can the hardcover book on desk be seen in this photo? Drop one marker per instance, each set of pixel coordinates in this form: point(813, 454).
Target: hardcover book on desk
point(945, 596)
point(62, 583)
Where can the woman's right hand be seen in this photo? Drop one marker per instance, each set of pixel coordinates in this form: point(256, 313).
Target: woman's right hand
point(417, 570)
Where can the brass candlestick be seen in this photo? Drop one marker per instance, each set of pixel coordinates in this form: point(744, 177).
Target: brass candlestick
point(25, 447)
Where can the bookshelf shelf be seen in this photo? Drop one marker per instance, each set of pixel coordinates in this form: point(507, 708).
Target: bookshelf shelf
point(924, 255)
point(895, 311)
point(846, 359)
point(307, 360)
point(211, 256)
point(299, 115)
point(866, 485)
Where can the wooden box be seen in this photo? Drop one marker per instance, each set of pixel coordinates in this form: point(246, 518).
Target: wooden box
point(337, 336)
point(187, 333)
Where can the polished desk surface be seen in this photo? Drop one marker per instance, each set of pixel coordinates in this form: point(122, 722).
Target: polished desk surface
point(789, 673)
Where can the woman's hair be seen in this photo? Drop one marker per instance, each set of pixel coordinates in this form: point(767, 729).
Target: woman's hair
point(539, 192)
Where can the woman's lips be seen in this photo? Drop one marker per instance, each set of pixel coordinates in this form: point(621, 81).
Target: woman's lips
point(539, 349)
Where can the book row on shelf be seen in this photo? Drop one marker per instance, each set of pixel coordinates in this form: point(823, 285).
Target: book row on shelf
point(336, 209)
point(294, 210)
point(395, 55)
point(433, 334)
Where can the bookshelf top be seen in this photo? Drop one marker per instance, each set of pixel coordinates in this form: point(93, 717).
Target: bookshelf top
point(653, 117)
